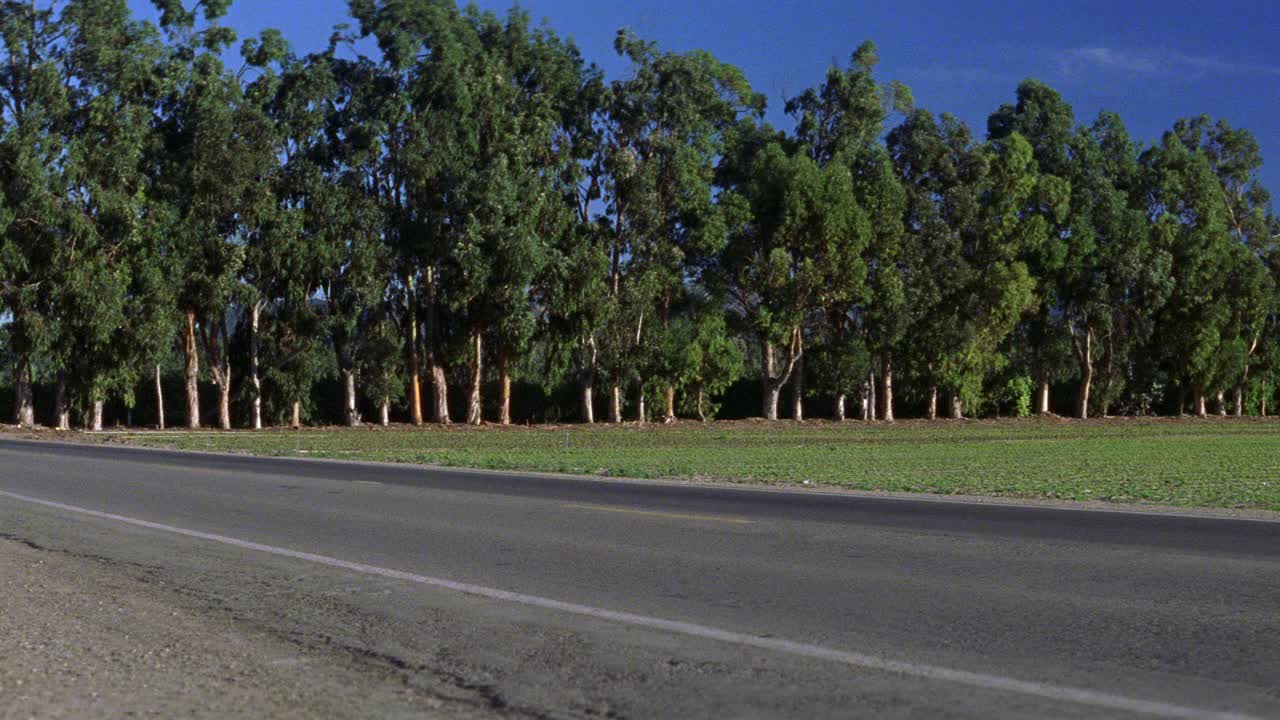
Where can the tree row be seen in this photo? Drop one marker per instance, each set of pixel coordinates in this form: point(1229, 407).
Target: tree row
point(449, 198)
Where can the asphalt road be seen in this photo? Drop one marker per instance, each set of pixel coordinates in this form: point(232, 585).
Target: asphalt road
point(557, 597)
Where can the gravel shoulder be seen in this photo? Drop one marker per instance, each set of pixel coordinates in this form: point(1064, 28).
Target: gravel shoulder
point(83, 641)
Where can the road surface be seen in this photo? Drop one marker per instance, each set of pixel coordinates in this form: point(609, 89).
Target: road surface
point(537, 596)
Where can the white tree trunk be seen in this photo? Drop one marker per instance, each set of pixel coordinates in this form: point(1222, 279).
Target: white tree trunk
point(191, 371)
point(439, 395)
point(872, 404)
point(24, 413)
point(771, 393)
point(295, 421)
point(475, 407)
point(224, 397)
point(159, 400)
point(95, 416)
point(797, 392)
point(615, 403)
point(588, 403)
point(957, 407)
point(886, 387)
point(386, 412)
point(504, 390)
point(350, 411)
point(255, 382)
point(62, 403)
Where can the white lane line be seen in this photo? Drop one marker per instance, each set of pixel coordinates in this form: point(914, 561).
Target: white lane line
point(871, 662)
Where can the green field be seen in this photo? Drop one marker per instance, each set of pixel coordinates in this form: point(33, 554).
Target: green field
point(1208, 463)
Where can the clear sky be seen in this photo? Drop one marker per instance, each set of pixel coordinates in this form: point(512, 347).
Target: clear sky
point(1152, 61)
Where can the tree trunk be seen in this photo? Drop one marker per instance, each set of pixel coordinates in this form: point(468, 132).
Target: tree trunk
point(838, 410)
point(159, 400)
point(24, 412)
point(886, 386)
point(295, 422)
point(615, 402)
point(702, 413)
point(95, 416)
point(475, 406)
point(1237, 401)
point(771, 392)
point(224, 399)
point(773, 377)
point(931, 404)
point(504, 389)
point(439, 395)
point(62, 403)
point(1201, 405)
point(386, 412)
point(415, 360)
point(588, 401)
point(1042, 397)
point(642, 413)
point(957, 407)
point(191, 371)
point(872, 402)
point(350, 412)
point(1221, 399)
point(772, 386)
point(255, 382)
point(797, 392)
point(1082, 392)
point(669, 399)
point(415, 381)
point(1084, 358)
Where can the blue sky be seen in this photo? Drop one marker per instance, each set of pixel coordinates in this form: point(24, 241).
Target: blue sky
point(1151, 61)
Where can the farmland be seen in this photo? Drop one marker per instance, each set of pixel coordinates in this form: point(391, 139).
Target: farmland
point(1190, 462)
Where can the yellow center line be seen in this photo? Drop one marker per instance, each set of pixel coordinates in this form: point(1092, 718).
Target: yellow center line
point(655, 513)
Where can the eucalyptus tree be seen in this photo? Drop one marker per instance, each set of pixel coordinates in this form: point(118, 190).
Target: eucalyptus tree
point(941, 169)
point(1046, 121)
point(1112, 279)
point(35, 104)
point(667, 124)
point(506, 205)
point(989, 286)
point(573, 292)
point(843, 121)
point(117, 61)
point(1189, 218)
point(206, 168)
point(1235, 157)
point(791, 224)
point(412, 104)
point(78, 94)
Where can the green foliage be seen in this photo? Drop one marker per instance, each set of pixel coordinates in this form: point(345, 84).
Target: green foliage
point(1017, 391)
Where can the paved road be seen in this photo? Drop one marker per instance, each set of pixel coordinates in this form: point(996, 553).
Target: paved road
point(554, 597)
